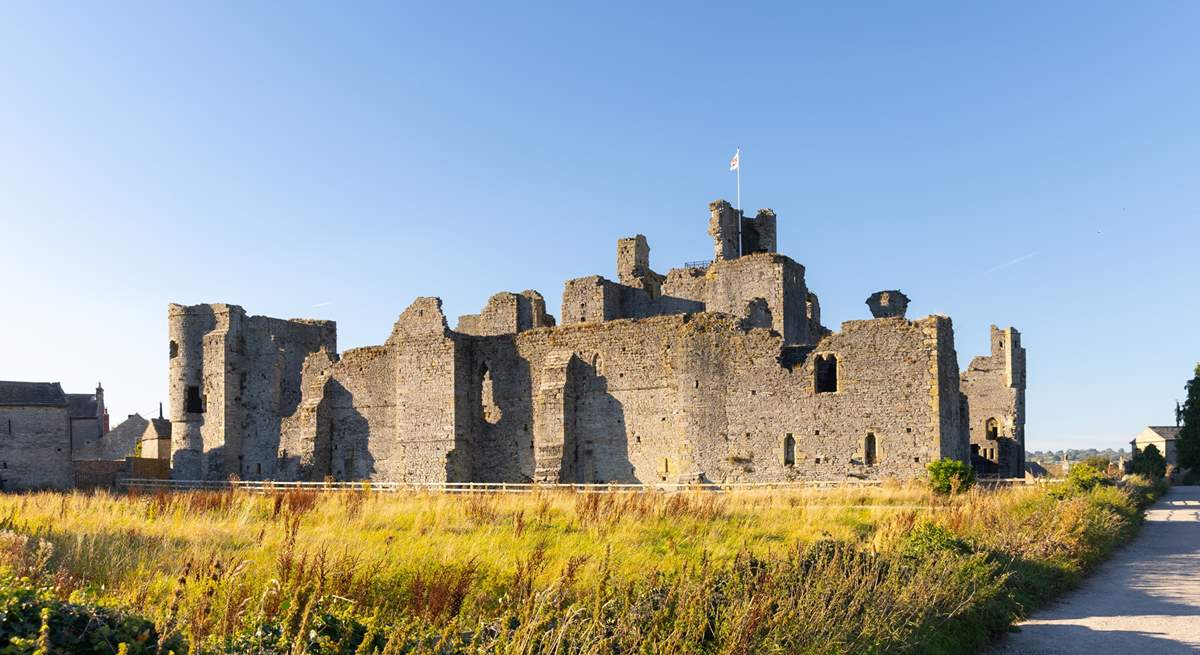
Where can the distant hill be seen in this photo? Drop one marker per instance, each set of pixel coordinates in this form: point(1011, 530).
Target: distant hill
point(1073, 454)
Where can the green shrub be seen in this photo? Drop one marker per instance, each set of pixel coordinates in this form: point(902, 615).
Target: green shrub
point(930, 539)
point(1085, 477)
point(948, 476)
point(31, 620)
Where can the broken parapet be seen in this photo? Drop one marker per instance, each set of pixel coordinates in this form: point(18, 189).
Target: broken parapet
point(888, 304)
point(758, 233)
point(507, 313)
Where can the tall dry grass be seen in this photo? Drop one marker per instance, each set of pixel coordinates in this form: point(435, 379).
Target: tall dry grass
point(822, 571)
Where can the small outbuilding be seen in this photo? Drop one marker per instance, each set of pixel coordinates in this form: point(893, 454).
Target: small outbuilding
point(1162, 437)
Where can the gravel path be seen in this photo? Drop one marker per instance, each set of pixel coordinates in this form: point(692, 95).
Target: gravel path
point(1146, 599)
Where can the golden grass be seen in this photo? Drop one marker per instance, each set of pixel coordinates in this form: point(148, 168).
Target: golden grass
point(212, 565)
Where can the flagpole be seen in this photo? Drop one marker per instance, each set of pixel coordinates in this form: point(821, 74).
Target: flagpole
point(739, 179)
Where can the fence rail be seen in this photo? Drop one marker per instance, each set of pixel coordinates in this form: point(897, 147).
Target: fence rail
point(270, 486)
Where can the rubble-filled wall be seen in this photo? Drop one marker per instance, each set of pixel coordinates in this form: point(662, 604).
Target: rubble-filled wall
point(232, 378)
point(994, 386)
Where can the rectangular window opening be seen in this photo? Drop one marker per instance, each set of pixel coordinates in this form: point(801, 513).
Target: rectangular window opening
point(193, 401)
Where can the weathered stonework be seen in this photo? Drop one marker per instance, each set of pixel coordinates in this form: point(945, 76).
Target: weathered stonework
point(718, 372)
point(232, 378)
point(995, 389)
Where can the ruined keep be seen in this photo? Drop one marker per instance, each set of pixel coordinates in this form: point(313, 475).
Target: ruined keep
point(714, 372)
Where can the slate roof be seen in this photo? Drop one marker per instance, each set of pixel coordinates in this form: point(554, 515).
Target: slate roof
point(32, 394)
point(161, 428)
point(82, 405)
point(1168, 432)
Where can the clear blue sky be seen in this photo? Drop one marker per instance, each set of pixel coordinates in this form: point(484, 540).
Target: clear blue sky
point(1009, 163)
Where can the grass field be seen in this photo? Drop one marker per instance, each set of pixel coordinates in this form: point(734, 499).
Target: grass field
point(892, 569)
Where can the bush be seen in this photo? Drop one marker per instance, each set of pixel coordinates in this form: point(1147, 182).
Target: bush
point(32, 618)
point(947, 476)
point(1085, 477)
point(930, 539)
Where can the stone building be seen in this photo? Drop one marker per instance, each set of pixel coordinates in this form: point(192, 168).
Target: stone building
point(35, 436)
point(1165, 438)
point(156, 438)
point(720, 371)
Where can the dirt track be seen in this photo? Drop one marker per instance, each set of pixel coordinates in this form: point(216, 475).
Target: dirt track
point(1146, 599)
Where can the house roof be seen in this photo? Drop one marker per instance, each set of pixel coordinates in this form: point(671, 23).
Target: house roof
point(32, 394)
point(1168, 432)
point(158, 428)
point(82, 405)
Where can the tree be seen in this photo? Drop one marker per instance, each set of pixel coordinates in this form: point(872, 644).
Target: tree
point(1189, 420)
point(1149, 462)
point(1098, 462)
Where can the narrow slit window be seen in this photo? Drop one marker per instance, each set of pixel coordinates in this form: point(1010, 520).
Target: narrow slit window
point(870, 452)
point(789, 450)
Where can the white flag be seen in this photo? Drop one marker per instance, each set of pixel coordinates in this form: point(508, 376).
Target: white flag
point(733, 163)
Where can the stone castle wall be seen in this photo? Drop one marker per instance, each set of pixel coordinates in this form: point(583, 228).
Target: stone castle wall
point(994, 386)
point(232, 378)
point(719, 372)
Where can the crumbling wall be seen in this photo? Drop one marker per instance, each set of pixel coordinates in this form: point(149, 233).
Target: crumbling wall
point(723, 225)
point(507, 313)
point(305, 444)
point(633, 266)
point(232, 378)
point(432, 439)
point(995, 389)
point(726, 286)
point(758, 233)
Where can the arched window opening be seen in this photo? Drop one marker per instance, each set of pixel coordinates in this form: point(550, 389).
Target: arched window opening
point(826, 373)
point(789, 450)
point(992, 429)
point(870, 453)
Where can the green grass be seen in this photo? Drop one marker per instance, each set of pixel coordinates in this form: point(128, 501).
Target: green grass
point(894, 569)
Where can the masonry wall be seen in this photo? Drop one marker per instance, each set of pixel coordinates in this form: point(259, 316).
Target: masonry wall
point(35, 448)
point(117, 443)
point(699, 398)
point(507, 313)
point(728, 286)
point(994, 386)
point(232, 378)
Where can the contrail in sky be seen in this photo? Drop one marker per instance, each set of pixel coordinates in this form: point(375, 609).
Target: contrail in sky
point(1013, 262)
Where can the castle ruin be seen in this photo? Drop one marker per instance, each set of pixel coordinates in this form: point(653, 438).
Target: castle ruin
point(718, 371)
